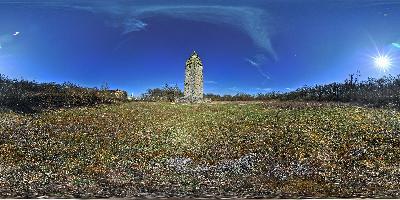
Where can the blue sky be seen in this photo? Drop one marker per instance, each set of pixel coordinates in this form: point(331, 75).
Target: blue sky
point(247, 46)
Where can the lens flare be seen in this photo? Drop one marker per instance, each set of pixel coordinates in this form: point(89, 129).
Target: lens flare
point(383, 62)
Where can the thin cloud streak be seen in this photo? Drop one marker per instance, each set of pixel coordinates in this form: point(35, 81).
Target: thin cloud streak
point(257, 65)
point(252, 62)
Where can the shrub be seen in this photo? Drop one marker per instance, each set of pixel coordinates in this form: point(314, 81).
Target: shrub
point(167, 93)
point(30, 96)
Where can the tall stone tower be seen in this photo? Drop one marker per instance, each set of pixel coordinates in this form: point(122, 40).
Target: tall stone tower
point(193, 91)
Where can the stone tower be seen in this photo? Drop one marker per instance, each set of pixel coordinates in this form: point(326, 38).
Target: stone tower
point(193, 79)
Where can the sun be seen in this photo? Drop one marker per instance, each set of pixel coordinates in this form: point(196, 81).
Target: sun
point(383, 62)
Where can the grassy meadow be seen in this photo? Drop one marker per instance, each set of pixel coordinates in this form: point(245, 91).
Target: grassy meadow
point(253, 149)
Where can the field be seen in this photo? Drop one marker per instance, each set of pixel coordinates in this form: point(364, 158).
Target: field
point(260, 149)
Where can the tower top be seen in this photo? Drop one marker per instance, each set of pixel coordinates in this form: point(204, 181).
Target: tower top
point(194, 54)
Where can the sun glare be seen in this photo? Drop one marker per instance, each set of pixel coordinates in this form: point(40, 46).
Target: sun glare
point(383, 62)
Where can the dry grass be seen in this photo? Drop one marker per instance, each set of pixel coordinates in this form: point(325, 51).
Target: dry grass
point(227, 149)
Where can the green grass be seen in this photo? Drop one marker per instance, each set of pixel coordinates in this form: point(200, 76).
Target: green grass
point(123, 150)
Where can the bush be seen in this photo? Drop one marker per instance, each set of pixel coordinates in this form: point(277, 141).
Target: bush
point(30, 96)
point(167, 93)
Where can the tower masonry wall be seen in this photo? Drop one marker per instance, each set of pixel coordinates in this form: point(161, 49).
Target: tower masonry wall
point(193, 91)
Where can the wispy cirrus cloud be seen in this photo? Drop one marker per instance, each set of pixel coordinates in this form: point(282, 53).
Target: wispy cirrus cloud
point(252, 20)
point(130, 17)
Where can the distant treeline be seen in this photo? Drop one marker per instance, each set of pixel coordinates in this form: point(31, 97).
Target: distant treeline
point(380, 92)
point(167, 93)
point(30, 96)
point(170, 93)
